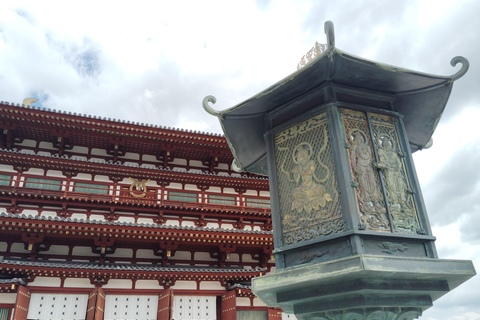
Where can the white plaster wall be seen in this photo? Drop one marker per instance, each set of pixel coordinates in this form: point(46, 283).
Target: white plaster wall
point(191, 187)
point(248, 258)
point(97, 217)
point(102, 178)
point(234, 257)
point(46, 145)
point(130, 164)
point(146, 254)
point(215, 189)
point(124, 253)
point(178, 161)
point(211, 285)
point(150, 158)
point(229, 190)
point(6, 167)
point(30, 212)
point(78, 149)
point(99, 152)
point(264, 194)
point(8, 297)
point(118, 284)
point(196, 163)
point(55, 249)
point(34, 171)
point(83, 176)
point(77, 283)
point(188, 224)
point(79, 216)
point(250, 193)
point(55, 173)
point(18, 247)
point(148, 284)
point(145, 220)
point(3, 248)
point(131, 156)
point(203, 256)
point(27, 143)
point(243, 302)
point(175, 185)
point(83, 251)
point(172, 223)
point(126, 219)
point(46, 282)
point(148, 166)
point(212, 225)
point(185, 285)
point(181, 255)
point(222, 166)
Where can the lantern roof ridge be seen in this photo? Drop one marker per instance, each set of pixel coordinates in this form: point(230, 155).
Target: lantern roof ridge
point(419, 97)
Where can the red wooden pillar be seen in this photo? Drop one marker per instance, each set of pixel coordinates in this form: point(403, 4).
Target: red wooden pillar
point(100, 308)
point(274, 314)
point(96, 304)
point(22, 303)
point(91, 304)
point(229, 305)
point(165, 305)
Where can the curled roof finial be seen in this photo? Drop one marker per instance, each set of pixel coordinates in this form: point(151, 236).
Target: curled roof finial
point(209, 109)
point(463, 70)
point(329, 31)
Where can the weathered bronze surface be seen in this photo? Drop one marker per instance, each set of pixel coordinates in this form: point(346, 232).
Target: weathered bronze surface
point(351, 233)
point(308, 192)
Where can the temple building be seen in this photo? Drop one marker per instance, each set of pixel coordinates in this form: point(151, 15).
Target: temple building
point(109, 219)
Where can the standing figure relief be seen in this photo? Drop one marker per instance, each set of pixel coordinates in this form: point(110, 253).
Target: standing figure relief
point(402, 210)
point(370, 198)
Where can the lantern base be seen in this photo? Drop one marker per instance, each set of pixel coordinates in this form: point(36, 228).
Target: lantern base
point(362, 286)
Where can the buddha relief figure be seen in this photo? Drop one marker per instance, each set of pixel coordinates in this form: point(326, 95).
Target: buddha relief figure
point(309, 194)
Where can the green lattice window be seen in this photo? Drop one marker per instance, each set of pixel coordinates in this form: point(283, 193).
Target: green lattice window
point(215, 199)
point(257, 203)
point(91, 188)
point(182, 196)
point(5, 179)
point(4, 313)
point(45, 184)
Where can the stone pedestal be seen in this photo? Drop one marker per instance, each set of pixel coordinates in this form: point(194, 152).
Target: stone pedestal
point(362, 287)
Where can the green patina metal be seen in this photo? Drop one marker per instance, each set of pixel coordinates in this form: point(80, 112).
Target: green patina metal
point(351, 233)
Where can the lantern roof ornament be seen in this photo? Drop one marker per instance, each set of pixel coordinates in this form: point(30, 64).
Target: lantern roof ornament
point(419, 97)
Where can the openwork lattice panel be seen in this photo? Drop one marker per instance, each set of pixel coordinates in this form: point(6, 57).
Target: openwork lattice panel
point(392, 165)
point(307, 187)
point(378, 171)
point(366, 179)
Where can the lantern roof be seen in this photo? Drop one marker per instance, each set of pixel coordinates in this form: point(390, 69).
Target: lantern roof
point(419, 97)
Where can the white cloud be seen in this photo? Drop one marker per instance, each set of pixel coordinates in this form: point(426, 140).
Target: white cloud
point(155, 61)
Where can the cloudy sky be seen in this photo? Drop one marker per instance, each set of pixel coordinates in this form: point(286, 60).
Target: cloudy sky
point(153, 62)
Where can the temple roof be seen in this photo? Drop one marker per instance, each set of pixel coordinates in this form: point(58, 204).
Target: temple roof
point(419, 97)
point(118, 267)
point(131, 224)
